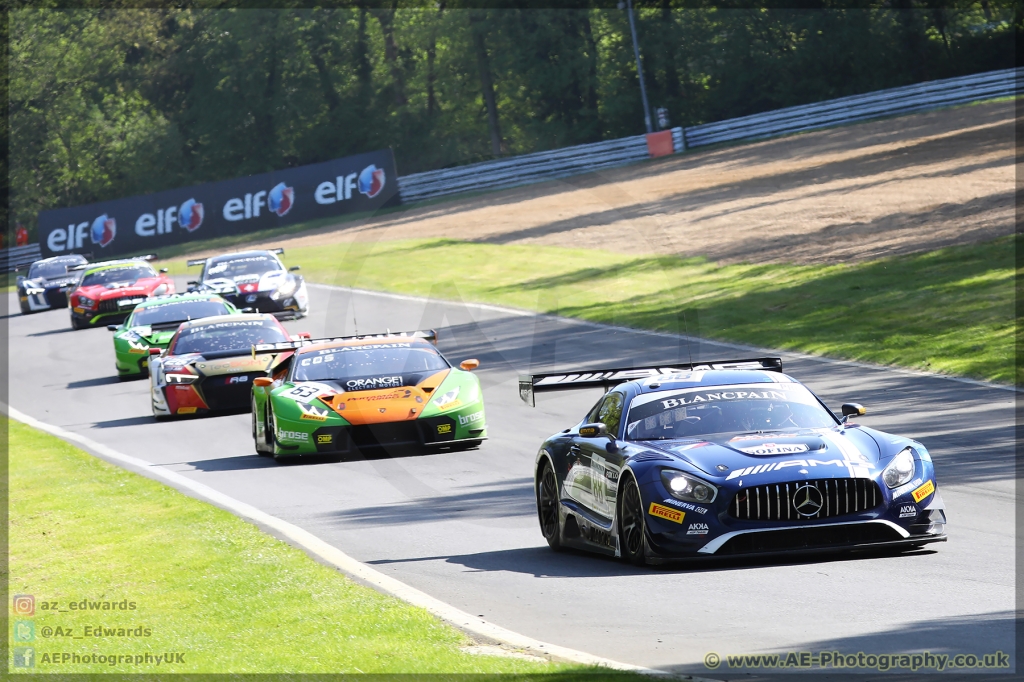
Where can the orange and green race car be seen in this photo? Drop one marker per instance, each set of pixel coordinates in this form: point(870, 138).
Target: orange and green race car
point(395, 390)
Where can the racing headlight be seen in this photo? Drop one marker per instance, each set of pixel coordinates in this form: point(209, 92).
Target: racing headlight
point(286, 289)
point(86, 302)
point(173, 378)
point(690, 488)
point(900, 469)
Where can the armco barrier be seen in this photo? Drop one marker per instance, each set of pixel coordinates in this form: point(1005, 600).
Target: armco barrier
point(894, 101)
point(19, 255)
point(585, 158)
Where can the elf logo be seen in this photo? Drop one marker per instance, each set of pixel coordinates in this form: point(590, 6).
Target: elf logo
point(189, 216)
point(279, 200)
point(371, 181)
point(101, 232)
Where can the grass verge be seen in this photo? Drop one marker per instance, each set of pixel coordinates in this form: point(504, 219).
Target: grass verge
point(950, 310)
point(186, 577)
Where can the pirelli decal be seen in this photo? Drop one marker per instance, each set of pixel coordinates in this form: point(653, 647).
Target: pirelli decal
point(924, 491)
point(668, 513)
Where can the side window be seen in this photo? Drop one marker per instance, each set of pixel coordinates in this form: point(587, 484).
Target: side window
point(610, 412)
point(592, 414)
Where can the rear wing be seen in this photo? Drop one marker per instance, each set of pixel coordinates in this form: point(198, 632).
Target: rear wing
point(429, 335)
point(84, 266)
point(531, 384)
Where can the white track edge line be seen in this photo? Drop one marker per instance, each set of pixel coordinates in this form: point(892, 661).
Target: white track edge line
point(612, 327)
point(335, 557)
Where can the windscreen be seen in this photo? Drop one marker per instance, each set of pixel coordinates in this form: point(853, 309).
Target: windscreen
point(239, 335)
point(178, 311)
point(385, 363)
point(238, 267)
point(52, 269)
point(744, 408)
point(128, 273)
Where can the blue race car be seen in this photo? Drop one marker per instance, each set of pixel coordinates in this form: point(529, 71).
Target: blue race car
point(722, 459)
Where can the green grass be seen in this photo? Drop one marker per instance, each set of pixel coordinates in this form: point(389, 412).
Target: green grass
point(948, 311)
point(206, 583)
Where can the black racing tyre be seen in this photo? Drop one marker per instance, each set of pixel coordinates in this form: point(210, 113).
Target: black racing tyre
point(76, 324)
point(632, 531)
point(547, 507)
point(255, 440)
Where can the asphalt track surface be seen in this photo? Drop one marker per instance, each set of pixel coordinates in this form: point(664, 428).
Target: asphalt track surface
point(462, 526)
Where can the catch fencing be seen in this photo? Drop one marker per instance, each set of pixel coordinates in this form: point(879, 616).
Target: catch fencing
point(586, 158)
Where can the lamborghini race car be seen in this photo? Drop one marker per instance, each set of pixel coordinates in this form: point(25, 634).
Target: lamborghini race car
point(255, 279)
point(148, 330)
point(47, 283)
point(387, 391)
point(723, 459)
point(109, 291)
point(210, 364)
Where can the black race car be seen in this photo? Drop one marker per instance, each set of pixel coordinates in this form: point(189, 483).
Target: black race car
point(47, 283)
point(725, 458)
point(254, 280)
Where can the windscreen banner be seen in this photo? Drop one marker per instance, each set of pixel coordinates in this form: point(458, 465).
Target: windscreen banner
point(143, 224)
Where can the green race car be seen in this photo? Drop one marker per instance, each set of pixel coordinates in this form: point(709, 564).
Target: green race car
point(336, 396)
point(152, 324)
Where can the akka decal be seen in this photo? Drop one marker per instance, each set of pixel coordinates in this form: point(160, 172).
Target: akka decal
point(371, 181)
point(667, 513)
point(908, 511)
point(775, 449)
point(312, 413)
point(697, 529)
point(776, 466)
point(924, 491)
point(103, 230)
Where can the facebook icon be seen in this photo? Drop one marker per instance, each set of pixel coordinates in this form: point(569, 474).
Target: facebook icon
point(24, 657)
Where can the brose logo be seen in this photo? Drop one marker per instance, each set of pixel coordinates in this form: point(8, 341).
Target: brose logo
point(293, 435)
point(469, 419)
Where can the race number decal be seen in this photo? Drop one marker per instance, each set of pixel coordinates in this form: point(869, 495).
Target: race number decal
point(306, 393)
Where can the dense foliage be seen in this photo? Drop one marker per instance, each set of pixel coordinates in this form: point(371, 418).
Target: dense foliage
point(113, 102)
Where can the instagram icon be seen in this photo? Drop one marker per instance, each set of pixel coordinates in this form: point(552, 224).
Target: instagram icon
point(24, 605)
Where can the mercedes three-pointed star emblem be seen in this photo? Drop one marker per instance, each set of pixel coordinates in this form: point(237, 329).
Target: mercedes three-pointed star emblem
point(807, 501)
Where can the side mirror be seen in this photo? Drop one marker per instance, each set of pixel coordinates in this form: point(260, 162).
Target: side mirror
point(163, 271)
point(156, 351)
point(852, 410)
point(112, 327)
point(262, 382)
point(593, 430)
point(192, 283)
point(294, 268)
point(304, 335)
point(469, 365)
point(247, 310)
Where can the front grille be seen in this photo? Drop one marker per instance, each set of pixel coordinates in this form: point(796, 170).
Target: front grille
point(111, 304)
point(384, 435)
point(821, 537)
point(780, 501)
point(221, 393)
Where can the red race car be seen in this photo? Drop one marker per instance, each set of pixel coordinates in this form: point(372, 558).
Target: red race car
point(108, 292)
